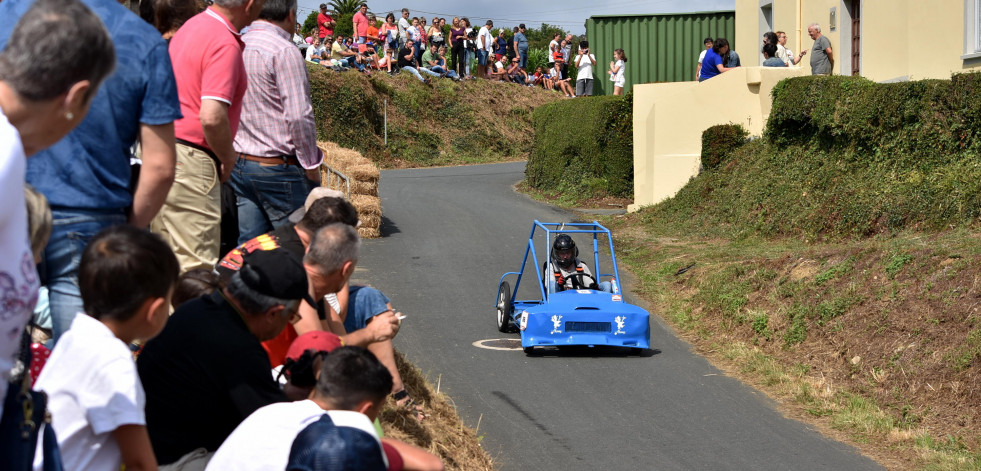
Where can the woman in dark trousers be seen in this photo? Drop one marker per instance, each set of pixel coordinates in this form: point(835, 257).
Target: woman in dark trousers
point(456, 39)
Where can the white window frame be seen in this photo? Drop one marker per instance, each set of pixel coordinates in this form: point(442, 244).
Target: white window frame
point(972, 29)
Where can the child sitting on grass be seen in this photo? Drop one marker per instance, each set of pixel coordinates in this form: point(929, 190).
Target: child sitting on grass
point(126, 278)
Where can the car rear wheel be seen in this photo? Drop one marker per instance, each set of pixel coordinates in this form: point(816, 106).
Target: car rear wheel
point(504, 307)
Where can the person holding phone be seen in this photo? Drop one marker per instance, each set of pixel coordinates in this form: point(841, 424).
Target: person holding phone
point(585, 62)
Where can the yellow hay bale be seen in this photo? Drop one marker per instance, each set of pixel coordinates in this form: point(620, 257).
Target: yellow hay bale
point(366, 205)
point(370, 220)
point(364, 188)
point(369, 232)
point(363, 172)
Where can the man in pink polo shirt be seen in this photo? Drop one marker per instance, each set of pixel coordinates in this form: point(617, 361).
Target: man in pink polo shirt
point(360, 21)
point(207, 58)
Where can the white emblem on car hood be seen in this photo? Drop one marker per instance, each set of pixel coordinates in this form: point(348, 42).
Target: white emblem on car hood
point(556, 324)
point(621, 321)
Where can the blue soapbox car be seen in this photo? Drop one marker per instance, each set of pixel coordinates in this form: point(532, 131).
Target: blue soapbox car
point(575, 316)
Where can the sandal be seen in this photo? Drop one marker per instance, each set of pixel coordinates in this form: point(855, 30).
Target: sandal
point(404, 401)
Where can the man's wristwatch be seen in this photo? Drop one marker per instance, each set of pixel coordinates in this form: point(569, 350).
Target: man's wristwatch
point(400, 395)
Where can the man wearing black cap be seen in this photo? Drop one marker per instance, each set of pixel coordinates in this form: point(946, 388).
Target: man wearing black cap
point(207, 371)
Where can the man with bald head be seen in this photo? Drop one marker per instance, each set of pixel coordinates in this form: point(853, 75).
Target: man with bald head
point(822, 57)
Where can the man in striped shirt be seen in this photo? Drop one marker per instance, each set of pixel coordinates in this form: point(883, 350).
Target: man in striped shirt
point(276, 143)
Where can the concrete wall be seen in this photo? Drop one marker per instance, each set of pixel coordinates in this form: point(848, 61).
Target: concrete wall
point(669, 119)
point(900, 39)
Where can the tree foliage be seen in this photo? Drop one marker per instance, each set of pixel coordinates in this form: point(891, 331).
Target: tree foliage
point(344, 7)
point(310, 24)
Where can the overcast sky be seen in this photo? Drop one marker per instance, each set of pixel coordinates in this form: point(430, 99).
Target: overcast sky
point(571, 17)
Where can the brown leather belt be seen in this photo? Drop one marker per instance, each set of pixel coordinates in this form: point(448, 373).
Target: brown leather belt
point(282, 160)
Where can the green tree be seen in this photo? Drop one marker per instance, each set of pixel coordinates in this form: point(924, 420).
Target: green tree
point(345, 25)
point(310, 24)
point(344, 7)
point(541, 36)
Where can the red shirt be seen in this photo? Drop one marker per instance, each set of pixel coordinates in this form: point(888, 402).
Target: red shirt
point(206, 54)
point(321, 19)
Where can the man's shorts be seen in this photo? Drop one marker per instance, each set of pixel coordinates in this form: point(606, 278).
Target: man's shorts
point(584, 87)
point(363, 303)
point(482, 57)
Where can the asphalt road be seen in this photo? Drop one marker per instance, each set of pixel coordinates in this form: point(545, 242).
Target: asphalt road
point(449, 234)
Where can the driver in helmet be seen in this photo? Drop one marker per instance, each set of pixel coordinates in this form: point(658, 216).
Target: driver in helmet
point(567, 271)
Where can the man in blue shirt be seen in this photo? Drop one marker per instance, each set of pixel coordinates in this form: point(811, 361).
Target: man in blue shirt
point(521, 46)
point(86, 176)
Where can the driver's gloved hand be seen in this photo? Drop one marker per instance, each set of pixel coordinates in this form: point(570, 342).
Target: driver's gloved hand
point(593, 286)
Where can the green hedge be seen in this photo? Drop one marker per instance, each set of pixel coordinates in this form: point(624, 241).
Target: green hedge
point(719, 142)
point(345, 110)
point(843, 156)
point(585, 146)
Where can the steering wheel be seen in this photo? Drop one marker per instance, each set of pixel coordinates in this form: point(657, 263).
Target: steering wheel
point(582, 280)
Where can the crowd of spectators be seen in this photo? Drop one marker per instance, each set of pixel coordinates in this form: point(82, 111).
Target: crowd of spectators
point(456, 50)
point(262, 357)
point(718, 57)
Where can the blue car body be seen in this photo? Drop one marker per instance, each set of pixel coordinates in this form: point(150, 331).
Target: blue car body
point(570, 317)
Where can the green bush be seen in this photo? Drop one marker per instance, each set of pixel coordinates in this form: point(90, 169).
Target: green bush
point(718, 143)
point(585, 146)
point(345, 111)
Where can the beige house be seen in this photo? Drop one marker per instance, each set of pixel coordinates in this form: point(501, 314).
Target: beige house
point(882, 40)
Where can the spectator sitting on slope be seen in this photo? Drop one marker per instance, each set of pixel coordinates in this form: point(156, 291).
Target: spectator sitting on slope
point(348, 385)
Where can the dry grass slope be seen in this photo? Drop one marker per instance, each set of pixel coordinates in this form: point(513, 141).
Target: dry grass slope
point(442, 432)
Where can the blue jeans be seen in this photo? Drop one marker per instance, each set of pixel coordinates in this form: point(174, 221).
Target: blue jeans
point(481, 57)
point(267, 194)
point(363, 303)
point(415, 71)
point(523, 58)
point(440, 70)
point(467, 58)
point(72, 231)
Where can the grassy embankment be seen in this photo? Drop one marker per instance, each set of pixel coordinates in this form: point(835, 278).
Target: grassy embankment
point(445, 123)
point(835, 264)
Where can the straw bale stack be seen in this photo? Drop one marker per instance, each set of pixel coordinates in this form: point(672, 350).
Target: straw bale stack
point(363, 175)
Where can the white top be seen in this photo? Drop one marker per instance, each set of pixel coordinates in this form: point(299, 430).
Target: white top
point(403, 26)
point(488, 38)
point(314, 50)
point(17, 272)
point(585, 66)
point(553, 47)
point(263, 440)
point(415, 34)
point(788, 55)
point(93, 388)
point(618, 77)
point(701, 56)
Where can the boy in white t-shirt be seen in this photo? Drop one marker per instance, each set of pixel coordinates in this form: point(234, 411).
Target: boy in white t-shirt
point(350, 387)
point(584, 77)
point(126, 278)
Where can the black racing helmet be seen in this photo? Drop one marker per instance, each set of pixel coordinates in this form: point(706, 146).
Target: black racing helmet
point(564, 251)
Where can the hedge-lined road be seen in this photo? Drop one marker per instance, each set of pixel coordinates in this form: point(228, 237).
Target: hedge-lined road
point(449, 234)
